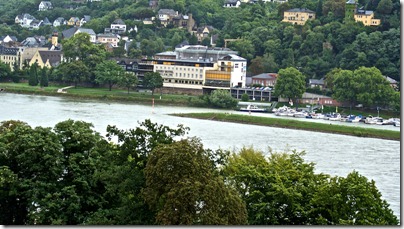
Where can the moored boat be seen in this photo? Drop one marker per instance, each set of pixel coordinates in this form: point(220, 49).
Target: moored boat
point(253, 108)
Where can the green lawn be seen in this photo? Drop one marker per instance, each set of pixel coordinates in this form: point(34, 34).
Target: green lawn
point(99, 93)
point(295, 124)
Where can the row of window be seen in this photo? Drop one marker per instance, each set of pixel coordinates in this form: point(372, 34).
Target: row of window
point(8, 58)
point(184, 81)
point(190, 69)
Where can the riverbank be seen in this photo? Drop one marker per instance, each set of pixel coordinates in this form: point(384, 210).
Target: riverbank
point(294, 124)
point(103, 94)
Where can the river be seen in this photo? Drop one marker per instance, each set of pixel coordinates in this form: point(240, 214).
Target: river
point(333, 154)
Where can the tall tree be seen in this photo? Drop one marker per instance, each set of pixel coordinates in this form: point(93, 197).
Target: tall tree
point(152, 80)
point(128, 80)
point(183, 186)
point(108, 72)
point(290, 84)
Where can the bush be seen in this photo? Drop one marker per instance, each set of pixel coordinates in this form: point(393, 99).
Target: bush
point(222, 99)
point(244, 97)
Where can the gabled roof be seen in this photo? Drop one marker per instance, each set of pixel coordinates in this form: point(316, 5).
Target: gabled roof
point(351, 2)
point(106, 35)
point(167, 11)
point(12, 38)
point(46, 21)
point(54, 57)
point(231, 1)
point(86, 18)
point(200, 29)
point(118, 22)
point(70, 32)
point(37, 41)
point(365, 12)
point(300, 10)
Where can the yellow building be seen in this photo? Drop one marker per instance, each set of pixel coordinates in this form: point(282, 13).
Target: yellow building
point(298, 16)
point(366, 17)
point(360, 15)
point(47, 58)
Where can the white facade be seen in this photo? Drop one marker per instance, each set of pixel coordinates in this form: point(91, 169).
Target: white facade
point(238, 67)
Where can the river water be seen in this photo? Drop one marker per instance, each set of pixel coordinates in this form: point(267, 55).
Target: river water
point(333, 154)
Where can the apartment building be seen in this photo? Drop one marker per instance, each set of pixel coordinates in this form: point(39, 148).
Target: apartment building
point(298, 16)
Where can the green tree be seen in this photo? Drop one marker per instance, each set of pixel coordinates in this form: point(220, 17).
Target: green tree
point(283, 189)
point(351, 201)
point(152, 80)
point(108, 72)
point(5, 71)
point(33, 75)
point(222, 99)
point(290, 84)
point(43, 80)
point(183, 186)
point(128, 80)
point(384, 6)
point(74, 72)
point(345, 87)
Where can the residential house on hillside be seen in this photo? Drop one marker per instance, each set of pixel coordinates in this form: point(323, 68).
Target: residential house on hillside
point(316, 83)
point(45, 5)
point(265, 79)
point(148, 21)
point(166, 15)
point(59, 21)
point(73, 21)
point(184, 21)
point(203, 32)
point(117, 27)
point(46, 22)
point(232, 3)
point(84, 20)
point(24, 20)
point(75, 30)
point(7, 39)
point(35, 24)
point(298, 16)
point(359, 15)
point(47, 58)
point(36, 41)
point(108, 38)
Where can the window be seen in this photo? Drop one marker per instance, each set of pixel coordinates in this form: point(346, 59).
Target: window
point(235, 65)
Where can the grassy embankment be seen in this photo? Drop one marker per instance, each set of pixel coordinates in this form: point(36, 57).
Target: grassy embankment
point(100, 94)
point(295, 124)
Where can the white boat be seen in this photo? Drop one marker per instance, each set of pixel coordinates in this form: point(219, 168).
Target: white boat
point(253, 108)
point(354, 118)
point(300, 114)
point(374, 120)
point(335, 117)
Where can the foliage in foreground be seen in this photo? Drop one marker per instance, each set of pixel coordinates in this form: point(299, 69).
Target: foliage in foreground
point(70, 175)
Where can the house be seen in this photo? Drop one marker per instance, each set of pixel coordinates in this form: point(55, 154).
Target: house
point(129, 65)
point(35, 24)
point(36, 41)
point(7, 39)
point(184, 21)
point(73, 21)
point(265, 79)
point(46, 22)
point(108, 38)
point(165, 16)
point(316, 83)
point(310, 98)
point(117, 27)
point(203, 32)
point(298, 16)
point(24, 20)
point(59, 21)
point(45, 5)
point(148, 21)
point(231, 3)
point(47, 58)
point(359, 15)
point(84, 20)
point(66, 34)
point(393, 82)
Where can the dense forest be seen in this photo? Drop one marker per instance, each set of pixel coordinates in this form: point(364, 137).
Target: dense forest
point(153, 174)
point(315, 49)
